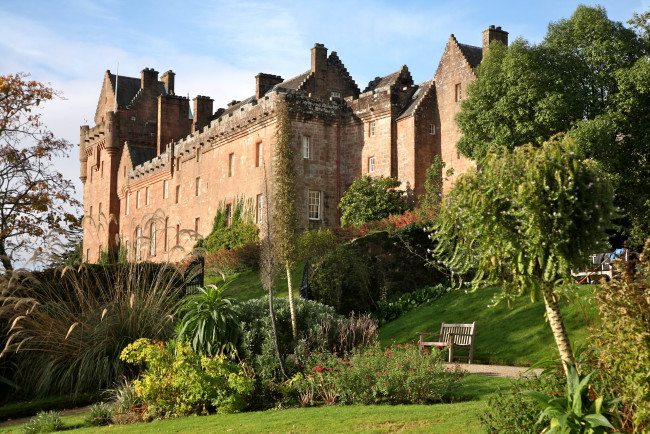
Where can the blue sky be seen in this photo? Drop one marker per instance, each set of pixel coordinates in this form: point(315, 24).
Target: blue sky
point(217, 47)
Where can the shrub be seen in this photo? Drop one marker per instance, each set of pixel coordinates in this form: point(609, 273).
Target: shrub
point(99, 414)
point(369, 199)
point(399, 374)
point(231, 261)
point(208, 322)
point(231, 231)
point(399, 304)
point(178, 381)
point(624, 336)
point(44, 421)
point(68, 327)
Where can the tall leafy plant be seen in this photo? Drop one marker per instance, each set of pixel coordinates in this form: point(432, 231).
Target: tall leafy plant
point(523, 220)
point(208, 321)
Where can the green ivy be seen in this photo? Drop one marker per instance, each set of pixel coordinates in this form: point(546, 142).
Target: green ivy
point(241, 230)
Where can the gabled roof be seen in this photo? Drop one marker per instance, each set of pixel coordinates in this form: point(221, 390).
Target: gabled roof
point(139, 154)
point(128, 87)
point(292, 83)
point(380, 82)
point(473, 54)
point(416, 98)
point(233, 108)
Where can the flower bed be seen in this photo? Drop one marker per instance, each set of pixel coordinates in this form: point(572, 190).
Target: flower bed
point(397, 375)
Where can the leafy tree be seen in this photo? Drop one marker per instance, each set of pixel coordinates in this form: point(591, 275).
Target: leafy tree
point(584, 78)
point(431, 200)
point(370, 199)
point(34, 197)
point(284, 229)
point(523, 220)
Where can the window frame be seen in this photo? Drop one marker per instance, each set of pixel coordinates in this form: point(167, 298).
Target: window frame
point(306, 147)
point(371, 164)
point(317, 205)
point(231, 165)
point(372, 129)
point(259, 208)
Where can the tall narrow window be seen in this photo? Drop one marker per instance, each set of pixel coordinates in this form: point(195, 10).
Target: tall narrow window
point(432, 129)
point(128, 203)
point(228, 214)
point(197, 222)
point(138, 242)
point(178, 193)
point(198, 155)
point(178, 234)
point(198, 187)
point(306, 147)
point(99, 214)
point(128, 256)
point(102, 169)
point(137, 200)
point(91, 211)
point(260, 208)
point(166, 189)
point(259, 156)
point(178, 164)
point(231, 165)
point(87, 255)
point(371, 165)
point(124, 171)
point(146, 196)
point(152, 236)
point(371, 129)
point(314, 205)
point(166, 240)
point(459, 93)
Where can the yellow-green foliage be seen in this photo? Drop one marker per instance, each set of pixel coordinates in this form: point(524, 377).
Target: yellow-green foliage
point(624, 340)
point(525, 217)
point(178, 381)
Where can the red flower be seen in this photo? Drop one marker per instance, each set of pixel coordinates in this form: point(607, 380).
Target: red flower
point(319, 368)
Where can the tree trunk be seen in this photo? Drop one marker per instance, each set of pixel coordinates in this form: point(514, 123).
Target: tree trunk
point(6, 262)
point(292, 309)
point(557, 326)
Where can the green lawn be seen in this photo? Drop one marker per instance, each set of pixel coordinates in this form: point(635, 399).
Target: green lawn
point(518, 336)
point(247, 285)
point(437, 418)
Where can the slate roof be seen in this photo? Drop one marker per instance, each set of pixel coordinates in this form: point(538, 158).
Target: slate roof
point(473, 54)
point(415, 100)
point(292, 83)
point(380, 82)
point(140, 154)
point(128, 87)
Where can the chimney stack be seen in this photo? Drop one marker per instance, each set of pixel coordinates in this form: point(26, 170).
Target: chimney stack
point(202, 112)
point(168, 79)
point(149, 79)
point(493, 33)
point(264, 82)
point(319, 69)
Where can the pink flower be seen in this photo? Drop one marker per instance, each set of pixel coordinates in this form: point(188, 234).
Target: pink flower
point(319, 368)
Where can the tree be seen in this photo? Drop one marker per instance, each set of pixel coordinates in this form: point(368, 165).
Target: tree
point(34, 197)
point(523, 220)
point(431, 200)
point(370, 199)
point(581, 79)
point(285, 219)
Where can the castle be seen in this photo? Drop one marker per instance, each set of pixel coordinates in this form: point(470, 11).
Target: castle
point(154, 171)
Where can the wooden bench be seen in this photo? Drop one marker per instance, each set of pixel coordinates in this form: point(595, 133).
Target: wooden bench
point(452, 336)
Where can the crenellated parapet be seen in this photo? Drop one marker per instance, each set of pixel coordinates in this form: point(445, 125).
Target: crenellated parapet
point(154, 166)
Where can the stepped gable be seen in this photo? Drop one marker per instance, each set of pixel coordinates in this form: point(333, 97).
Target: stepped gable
point(294, 83)
point(413, 104)
point(380, 82)
point(128, 88)
point(472, 54)
point(139, 154)
point(334, 61)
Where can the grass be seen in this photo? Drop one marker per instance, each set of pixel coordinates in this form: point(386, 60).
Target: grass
point(30, 408)
point(438, 418)
point(518, 336)
point(248, 285)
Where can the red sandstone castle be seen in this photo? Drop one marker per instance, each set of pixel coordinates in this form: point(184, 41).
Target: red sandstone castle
point(155, 173)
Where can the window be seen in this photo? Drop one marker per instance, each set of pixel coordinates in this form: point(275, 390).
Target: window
point(125, 171)
point(152, 237)
point(178, 164)
point(166, 240)
point(166, 189)
point(197, 191)
point(228, 214)
point(335, 94)
point(146, 196)
point(260, 208)
point(127, 249)
point(371, 165)
point(99, 215)
point(178, 193)
point(91, 211)
point(197, 221)
point(138, 242)
point(306, 147)
point(92, 170)
point(432, 129)
point(459, 93)
point(178, 234)
point(128, 203)
point(137, 200)
point(231, 165)
point(87, 255)
point(371, 131)
point(198, 155)
point(314, 205)
point(102, 169)
point(259, 156)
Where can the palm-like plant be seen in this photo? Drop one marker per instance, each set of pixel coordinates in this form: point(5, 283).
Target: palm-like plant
point(209, 322)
